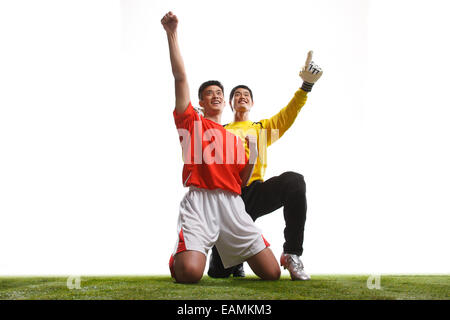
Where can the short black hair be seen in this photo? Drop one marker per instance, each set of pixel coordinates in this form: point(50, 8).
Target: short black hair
point(241, 86)
point(207, 84)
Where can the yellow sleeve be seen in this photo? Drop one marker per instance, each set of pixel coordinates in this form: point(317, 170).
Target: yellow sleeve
point(283, 120)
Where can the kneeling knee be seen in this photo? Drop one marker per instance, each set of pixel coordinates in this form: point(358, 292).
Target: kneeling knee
point(294, 181)
point(273, 275)
point(188, 273)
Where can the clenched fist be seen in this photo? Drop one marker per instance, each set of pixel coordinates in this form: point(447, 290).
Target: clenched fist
point(170, 22)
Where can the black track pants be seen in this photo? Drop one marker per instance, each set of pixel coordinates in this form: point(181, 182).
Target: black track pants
point(287, 190)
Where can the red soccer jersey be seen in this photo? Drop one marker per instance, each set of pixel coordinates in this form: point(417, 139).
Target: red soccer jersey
point(213, 157)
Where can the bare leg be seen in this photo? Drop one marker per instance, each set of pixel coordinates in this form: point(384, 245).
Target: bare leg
point(189, 266)
point(265, 265)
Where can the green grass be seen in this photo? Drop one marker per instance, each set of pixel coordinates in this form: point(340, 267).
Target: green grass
point(330, 287)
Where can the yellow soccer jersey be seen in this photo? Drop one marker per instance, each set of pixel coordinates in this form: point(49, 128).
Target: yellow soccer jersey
point(268, 131)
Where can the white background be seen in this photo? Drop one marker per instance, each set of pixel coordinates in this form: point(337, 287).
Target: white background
point(90, 164)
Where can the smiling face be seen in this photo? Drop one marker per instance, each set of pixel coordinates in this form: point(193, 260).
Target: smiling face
point(212, 99)
point(242, 100)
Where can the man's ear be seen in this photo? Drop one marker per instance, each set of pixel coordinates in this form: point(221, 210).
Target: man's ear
point(201, 103)
point(231, 106)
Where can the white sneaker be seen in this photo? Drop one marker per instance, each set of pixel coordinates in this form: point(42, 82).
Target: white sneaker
point(293, 263)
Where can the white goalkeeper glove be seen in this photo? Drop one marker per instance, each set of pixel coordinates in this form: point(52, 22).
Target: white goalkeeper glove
point(310, 73)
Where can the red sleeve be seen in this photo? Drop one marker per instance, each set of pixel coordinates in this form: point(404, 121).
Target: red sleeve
point(185, 119)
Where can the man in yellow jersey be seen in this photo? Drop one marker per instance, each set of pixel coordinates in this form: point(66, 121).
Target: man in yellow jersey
point(286, 190)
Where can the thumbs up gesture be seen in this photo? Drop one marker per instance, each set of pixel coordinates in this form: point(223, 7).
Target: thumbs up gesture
point(310, 73)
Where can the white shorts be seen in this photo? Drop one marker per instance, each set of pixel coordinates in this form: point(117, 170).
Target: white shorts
point(217, 217)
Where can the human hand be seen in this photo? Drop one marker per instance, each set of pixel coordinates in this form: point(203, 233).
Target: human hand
point(310, 73)
point(170, 22)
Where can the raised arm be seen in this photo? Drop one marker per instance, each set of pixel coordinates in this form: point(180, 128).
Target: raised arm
point(283, 120)
point(182, 98)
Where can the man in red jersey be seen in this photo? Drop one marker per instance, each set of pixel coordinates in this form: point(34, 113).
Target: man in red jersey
point(212, 212)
